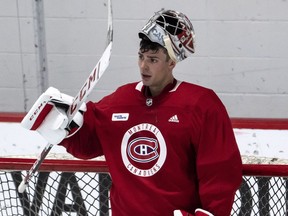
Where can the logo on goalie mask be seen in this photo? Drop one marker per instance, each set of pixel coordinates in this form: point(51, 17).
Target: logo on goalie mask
point(143, 150)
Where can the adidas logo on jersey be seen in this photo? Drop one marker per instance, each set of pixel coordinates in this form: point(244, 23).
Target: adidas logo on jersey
point(174, 119)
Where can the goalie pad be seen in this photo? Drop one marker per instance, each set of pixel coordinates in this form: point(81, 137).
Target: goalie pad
point(177, 213)
point(201, 212)
point(198, 212)
point(181, 213)
point(48, 116)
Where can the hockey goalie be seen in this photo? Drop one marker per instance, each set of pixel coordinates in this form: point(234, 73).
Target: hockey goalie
point(169, 144)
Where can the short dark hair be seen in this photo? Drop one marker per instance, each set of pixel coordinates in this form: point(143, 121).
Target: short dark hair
point(146, 45)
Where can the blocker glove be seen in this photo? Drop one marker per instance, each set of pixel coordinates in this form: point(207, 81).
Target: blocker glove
point(48, 116)
point(198, 212)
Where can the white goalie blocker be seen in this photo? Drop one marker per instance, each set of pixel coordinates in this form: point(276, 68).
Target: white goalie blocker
point(48, 116)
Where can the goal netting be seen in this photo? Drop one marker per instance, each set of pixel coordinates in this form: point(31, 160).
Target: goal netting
point(61, 187)
point(76, 187)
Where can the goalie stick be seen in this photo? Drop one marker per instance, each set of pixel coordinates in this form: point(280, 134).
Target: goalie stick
point(81, 97)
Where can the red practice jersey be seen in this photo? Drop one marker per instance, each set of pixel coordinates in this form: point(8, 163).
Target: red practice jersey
point(173, 151)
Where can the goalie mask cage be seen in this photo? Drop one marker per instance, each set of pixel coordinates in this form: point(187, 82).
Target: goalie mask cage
point(77, 187)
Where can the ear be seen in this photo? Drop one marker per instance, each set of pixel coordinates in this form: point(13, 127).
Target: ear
point(172, 64)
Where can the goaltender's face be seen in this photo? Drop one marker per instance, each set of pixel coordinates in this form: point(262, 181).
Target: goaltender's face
point(155, 69)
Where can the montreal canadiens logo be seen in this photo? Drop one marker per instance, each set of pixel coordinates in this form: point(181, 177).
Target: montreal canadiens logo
point(143, 149)
point(143, 155)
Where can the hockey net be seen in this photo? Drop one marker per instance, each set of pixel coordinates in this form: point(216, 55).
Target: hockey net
point(77, 187)
point(61, 187)
point(72, 187)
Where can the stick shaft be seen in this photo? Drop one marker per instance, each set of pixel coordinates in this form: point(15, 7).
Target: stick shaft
point(80, 98)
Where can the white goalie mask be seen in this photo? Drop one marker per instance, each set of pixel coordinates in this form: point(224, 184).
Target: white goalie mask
point(172, 30)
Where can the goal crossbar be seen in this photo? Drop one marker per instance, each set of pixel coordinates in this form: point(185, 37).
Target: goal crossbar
point(49, 165)
point(100, 166)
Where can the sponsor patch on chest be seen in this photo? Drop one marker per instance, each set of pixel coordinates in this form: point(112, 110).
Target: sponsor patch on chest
point(120, 116)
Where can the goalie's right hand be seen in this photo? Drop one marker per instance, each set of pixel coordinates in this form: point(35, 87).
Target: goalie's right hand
point(48, 116)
